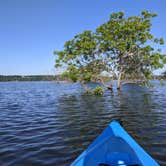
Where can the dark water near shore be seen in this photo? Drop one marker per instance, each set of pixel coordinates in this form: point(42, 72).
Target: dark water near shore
point(45, 123)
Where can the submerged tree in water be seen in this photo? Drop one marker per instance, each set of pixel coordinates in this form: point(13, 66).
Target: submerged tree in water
point(122, 46)
point(126, 42)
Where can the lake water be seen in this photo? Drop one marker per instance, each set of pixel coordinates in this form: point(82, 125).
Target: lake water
point(46, 123)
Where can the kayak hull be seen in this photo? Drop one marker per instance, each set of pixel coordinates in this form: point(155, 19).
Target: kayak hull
point(114, 146)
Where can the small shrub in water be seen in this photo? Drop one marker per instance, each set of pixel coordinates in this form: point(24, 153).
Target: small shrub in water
point(88, 91)
point(98, 90)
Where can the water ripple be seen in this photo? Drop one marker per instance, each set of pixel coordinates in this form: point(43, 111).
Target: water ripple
point(45, 123)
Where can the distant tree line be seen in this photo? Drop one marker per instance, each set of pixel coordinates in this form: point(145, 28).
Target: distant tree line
point(4, 78)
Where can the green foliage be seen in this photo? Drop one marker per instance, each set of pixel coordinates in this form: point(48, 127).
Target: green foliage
point(98, 91)
point(64, 75)
point(80, 54)
point(87, 76)
point(88, 91)
point(73, 73)
point(125, 42)
point(120, 45)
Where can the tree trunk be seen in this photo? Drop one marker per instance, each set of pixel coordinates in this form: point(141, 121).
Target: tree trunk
point(105, 85)
point(119, 79)
point(112, 79)
point(84, 86)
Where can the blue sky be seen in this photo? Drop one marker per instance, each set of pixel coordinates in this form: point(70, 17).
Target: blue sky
point(30, 30)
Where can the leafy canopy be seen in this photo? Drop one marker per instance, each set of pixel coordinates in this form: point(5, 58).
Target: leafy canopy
point(123, 45)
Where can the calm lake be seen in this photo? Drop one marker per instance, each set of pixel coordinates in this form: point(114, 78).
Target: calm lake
point(46, 123)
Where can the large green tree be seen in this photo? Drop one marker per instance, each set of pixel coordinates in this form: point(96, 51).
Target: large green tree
point(123, 45)
point(128, 44)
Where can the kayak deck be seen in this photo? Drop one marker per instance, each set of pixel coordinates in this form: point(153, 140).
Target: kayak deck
point(109, 154)
point(114, 147)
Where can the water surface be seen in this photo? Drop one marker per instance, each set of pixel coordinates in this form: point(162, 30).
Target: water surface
point(46, 123)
